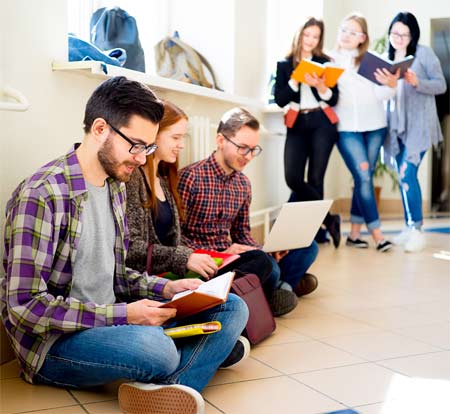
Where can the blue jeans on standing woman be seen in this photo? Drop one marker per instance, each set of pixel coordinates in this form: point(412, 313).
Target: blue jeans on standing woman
point(98, 356)
point(409, 187)
point(360, 153)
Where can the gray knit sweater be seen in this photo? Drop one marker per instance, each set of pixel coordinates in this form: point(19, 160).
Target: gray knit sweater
point(412, 114)
point(143, 238)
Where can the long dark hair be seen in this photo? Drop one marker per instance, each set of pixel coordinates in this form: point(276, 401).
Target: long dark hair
point(408, 19)
point(172, 114)
point(296, 46)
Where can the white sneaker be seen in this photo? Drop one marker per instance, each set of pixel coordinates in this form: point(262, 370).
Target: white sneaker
point(402, 238)
point(416, 241)
point(140, 398)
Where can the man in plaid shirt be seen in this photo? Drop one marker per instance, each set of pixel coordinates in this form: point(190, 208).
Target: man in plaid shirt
point(75, 315)
point(217, 197)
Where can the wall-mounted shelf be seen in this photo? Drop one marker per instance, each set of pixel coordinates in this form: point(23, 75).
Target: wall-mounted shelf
point(100, 70)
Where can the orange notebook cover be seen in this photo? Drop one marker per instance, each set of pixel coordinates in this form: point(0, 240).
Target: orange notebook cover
point(211, 293)
point(331, 73)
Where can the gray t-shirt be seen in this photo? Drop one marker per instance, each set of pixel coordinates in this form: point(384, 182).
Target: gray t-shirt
point(93, 271)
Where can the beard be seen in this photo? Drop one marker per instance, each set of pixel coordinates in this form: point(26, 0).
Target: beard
point(111, 165)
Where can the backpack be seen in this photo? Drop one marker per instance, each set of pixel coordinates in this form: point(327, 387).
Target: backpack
point(114, 28)
point(177, 60)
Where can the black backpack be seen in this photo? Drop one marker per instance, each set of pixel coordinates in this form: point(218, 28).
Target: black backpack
point(114, 28)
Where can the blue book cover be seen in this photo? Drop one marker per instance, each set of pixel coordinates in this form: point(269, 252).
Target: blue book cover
point(372, 61)
point(346, 411)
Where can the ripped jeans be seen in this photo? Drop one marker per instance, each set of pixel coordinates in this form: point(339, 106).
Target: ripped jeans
point(360, 152)
point(409, 188)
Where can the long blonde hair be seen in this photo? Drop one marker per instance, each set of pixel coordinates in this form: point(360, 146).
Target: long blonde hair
point(362, 48)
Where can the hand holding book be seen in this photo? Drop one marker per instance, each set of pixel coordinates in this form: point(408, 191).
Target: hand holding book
point(327, 71)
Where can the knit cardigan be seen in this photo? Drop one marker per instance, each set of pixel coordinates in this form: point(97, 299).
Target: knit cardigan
point(143, 238)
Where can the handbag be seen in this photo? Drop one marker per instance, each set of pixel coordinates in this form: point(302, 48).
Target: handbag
point(260, 323)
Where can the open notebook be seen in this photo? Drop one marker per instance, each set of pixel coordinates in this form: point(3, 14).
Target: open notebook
point(296, 225)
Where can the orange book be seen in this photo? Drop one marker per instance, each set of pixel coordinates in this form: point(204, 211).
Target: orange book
point(331, 73)
point(211, 293)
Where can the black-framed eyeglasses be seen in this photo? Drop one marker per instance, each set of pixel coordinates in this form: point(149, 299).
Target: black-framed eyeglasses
point(244, 149)
point(402, 36)
point(135, 148)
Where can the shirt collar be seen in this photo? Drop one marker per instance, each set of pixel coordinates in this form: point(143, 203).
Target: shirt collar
point(218, 170)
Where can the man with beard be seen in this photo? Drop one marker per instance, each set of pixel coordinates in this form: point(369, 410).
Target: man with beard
point(217, 197)
point(75, 315)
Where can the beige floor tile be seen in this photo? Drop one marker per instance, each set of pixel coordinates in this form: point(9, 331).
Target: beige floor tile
point(305, 307)
point(210, 409)
point(9, 370)
point(326, 325)
point(97, 394)
point(282, 335)
point(414, 396)
point(437, 334)
point(372, 409)
point(352, 385)
point(268, 396)
point(247, 370)
point(375, 346)
point(439, 310)
point(76, 409)
point(393, 317)
point(105, 407)
point(433, 366)
point(303, 356)
point(21, 396)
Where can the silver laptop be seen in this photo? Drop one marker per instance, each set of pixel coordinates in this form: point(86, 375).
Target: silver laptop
point(296, 225)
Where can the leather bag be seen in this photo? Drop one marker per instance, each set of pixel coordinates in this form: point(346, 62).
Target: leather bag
point(261, 323)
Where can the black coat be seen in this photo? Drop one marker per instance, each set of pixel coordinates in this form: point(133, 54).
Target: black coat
point(283, 92)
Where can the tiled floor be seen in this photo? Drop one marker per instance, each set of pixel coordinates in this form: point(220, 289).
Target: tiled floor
point(375, 337)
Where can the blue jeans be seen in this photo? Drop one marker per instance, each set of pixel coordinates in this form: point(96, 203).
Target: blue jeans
point(360, 153)
point(292, 267)
point(409, 188)
point(98, 356)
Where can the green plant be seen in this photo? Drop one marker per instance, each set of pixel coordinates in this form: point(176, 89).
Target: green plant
point(381, 170)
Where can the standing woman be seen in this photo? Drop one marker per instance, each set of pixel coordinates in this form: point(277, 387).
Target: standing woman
point(413, 121)
point(362, 127)
point(312, 136)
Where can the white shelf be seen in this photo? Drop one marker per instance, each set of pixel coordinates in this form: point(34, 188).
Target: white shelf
point(100, 70)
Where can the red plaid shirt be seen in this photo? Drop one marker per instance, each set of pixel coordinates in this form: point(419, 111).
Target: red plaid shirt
point(217, 206)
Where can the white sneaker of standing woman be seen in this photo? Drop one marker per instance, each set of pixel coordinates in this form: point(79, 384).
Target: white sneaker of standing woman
point(401, 238)
point(416, 241)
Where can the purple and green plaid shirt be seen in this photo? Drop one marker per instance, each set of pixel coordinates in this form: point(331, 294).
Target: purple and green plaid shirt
point(217, 206)
point(42, 234)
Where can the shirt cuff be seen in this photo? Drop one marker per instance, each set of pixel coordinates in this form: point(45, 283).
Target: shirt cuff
point(157, 285)
point(293, 84)
point(327, 95)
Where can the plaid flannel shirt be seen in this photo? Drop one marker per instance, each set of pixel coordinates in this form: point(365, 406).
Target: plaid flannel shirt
point(42, 233)
point(217, 206)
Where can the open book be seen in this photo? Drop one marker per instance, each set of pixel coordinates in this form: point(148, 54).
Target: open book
point(331, 72)
point(208, 294)
point(204, 328)
point(372, 61)
point(221, 259)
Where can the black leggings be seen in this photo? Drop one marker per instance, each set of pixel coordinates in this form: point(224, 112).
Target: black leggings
point(310, 141)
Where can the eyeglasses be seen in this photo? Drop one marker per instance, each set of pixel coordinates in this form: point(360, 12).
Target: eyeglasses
point(135, 147)
point(402, 36)
point(351, 33)
point(244, 149)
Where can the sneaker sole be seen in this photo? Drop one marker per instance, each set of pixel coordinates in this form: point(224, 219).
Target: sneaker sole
point(175, 399)
point(358, 246)
point(385, 248)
